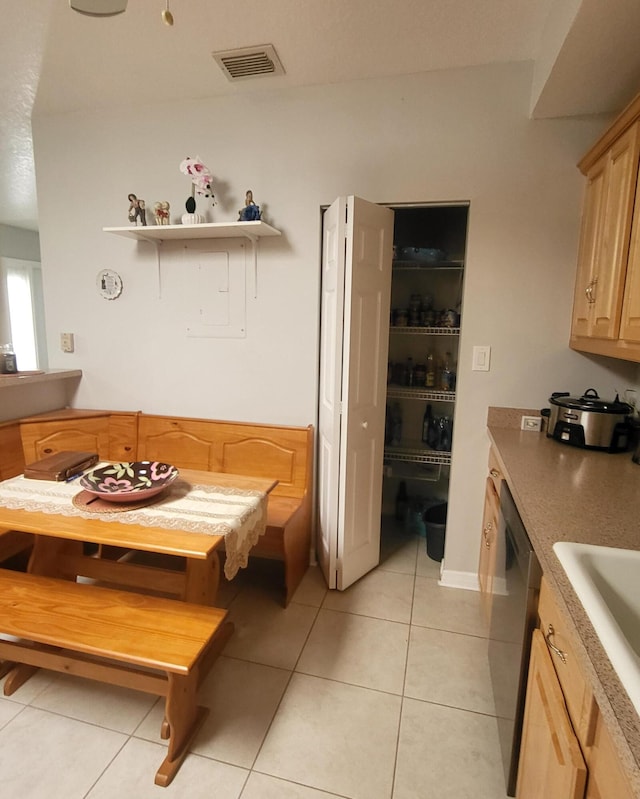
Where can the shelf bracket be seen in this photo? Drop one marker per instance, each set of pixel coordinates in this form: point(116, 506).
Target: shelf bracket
point(254, 250)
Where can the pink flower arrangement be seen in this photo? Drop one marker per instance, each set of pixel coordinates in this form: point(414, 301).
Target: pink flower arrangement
point(201, 177)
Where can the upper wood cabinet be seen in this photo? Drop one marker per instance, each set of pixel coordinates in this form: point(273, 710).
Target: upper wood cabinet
point(606, 310)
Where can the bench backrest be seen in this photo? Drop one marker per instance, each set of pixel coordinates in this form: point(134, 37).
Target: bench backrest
point(258, 450)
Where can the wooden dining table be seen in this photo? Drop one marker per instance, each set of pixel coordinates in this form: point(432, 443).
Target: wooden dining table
point(62, 543)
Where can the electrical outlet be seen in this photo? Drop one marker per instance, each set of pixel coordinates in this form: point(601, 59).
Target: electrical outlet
point(531, 423)
point(66, 342)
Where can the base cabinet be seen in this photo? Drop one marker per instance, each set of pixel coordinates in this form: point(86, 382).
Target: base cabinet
point(567, 750)
point(551, 762)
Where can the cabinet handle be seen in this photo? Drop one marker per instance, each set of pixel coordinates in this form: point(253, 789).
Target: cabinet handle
point(494, 473)
point(562, 655)
point(589, 291)
point(364, 425)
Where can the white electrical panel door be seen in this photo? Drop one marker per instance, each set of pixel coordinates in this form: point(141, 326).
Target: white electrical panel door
point(215, 284)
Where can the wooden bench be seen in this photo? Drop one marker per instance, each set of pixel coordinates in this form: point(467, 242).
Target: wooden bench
point(282, 452)
point(160, 646)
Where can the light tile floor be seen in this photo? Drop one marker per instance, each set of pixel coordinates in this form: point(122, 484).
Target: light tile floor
point(378, 692)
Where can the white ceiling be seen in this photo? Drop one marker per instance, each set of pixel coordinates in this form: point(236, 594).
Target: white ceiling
point(53, 60)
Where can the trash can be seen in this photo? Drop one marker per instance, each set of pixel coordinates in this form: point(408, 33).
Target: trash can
point(435, 522)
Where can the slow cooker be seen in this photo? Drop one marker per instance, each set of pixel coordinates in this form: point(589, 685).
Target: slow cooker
point(588, 421)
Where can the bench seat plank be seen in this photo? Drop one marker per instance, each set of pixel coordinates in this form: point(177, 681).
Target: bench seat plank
point(162, 646)
point(146, 631)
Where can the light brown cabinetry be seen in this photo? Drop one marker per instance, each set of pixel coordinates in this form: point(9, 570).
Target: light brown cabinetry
point(606, 310)
point(551, 762)
point(567, 751)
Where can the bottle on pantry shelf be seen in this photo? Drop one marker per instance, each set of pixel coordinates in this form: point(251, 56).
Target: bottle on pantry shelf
point(433, 434)
point(409, 376)
point(426, 423)
point(415, 303)
point(447, 376)
point(430, 380)
point(402, 502)
point(419, 375)
point(396, 425)
point(444, 434)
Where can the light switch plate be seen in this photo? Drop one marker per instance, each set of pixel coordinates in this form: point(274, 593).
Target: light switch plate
point(481, 359)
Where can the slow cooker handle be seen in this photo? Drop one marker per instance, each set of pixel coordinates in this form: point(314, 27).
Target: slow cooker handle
point(590, 393)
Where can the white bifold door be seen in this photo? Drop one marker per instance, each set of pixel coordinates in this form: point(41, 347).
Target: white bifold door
point(357, 252)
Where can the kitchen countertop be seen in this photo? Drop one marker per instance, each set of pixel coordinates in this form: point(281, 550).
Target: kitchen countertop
point(568, 494)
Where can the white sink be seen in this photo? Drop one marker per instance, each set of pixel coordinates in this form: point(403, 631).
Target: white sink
point(607, 582)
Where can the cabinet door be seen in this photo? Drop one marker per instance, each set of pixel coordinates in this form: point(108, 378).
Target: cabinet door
point(551, 763)
point(606, 777)
point(488, 547)
point(630, 324)
point(604, 246)
point(589, 254)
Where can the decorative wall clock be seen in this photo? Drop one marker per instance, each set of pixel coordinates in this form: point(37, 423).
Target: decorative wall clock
point(109, 284)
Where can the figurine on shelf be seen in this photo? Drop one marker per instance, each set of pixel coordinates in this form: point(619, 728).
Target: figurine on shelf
point(251, 211)
point(161, 213)
point(136, 210)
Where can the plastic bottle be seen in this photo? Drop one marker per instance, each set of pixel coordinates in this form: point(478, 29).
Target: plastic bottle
point(410, 375)
point(426, 422)
point(433, 433)
point(430, 380)
point(447, 376)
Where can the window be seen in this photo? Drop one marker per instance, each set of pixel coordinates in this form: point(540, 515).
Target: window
point(23, 291)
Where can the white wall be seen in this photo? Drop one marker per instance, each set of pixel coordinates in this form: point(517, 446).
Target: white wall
point(458, 135)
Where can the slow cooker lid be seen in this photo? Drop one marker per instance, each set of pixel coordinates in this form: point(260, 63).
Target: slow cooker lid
point(589, 401)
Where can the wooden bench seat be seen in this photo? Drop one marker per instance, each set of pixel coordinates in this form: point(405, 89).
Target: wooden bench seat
point(152, 644)
point(281, 452)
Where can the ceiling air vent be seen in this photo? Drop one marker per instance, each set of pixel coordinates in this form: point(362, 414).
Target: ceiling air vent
point(249, 62)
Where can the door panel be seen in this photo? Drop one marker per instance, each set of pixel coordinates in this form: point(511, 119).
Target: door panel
point(356, 286)
point(329, 411)
point(365, 351)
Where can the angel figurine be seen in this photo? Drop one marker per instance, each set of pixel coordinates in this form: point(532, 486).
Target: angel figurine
point(251, 211)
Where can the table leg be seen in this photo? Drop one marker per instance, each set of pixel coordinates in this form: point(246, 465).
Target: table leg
point(18, 676)
point(45, 554)
point(202, 579)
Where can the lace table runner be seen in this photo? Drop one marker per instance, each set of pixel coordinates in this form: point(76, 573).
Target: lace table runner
point(235, 513)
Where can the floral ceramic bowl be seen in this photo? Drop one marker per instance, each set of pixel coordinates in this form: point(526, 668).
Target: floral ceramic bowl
point(129, 482)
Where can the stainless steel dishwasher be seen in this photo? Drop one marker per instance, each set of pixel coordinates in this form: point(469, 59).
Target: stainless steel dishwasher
point(513, 618)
